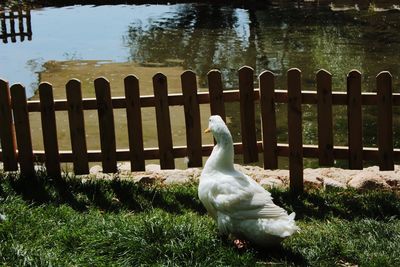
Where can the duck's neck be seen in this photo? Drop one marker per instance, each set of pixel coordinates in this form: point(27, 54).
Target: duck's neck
point(221, 158)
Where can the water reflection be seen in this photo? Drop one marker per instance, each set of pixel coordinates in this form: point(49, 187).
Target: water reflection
point(201, 37)
point(198, 37)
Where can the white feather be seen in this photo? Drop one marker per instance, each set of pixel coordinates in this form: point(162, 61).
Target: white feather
point(239, 204)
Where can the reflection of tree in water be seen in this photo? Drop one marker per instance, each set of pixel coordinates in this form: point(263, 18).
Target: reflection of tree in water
point(198, 37)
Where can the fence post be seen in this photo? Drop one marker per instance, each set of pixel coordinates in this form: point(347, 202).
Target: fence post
point(12, 26)
point(192, 119)
point(216, 93)
point(325, 125)
point(268, 119)
point(163, 121)
point(22, 130)
point(134, 119)
point(295, 131)
point(21, 25)
point(77, 127)
point(354, 120)
point(3, 27)
point(106, 125)
point(28, 24)
point(385, 120)
point(49, 128)
point(7, 132)
point(247, 115)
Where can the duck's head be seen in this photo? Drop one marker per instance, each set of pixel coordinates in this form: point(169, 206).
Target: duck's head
point(219, 130)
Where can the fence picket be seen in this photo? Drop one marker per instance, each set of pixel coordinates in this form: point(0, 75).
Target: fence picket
point(21, 25)
point(28, 24)
point(354, 120)
point(163, 121)
point(77, 127)
point(192, 119)
point(106, 125)
point(325, 124)
point(49, 128)
point(385, 121)
point(215, 90)
point(134, 119)
point(268, 119)
point(295, 131)
point(22, 130)
point(7, 132)
point(3, 27)
point(247, 114)
point(12, 27)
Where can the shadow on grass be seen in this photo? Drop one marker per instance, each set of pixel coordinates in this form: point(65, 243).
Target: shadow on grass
point(117, 194)
point(279, 254)
point(347, 204)
point(107, 195)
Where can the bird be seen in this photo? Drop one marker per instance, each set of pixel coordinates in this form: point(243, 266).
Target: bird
point(242, 208)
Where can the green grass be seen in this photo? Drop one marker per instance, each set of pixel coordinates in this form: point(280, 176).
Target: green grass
point(119, 223)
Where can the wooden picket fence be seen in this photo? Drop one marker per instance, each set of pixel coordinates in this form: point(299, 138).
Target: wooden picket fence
point(16, 140)
point(7, 22)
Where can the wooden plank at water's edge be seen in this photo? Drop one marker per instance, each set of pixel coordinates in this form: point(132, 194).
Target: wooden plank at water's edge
point(268, 119)
point(106, 125)
point(49, 128)
point(77, 127)
point(192, 119)
point(325, 124)
point(295, 131)
point(247, 115)
point(134, 120)
point(163, 121)
point(7, 133)
point(22, 130)
point(385, 121)
point(354, 120)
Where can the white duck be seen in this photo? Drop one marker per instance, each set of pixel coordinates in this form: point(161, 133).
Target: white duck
point(240, 205)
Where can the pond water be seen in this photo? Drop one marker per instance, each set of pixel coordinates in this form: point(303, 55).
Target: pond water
point(113, 41)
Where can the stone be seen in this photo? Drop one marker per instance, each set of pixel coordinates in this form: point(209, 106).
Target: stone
point(104, 176)
point(330, 183)
point(392, 178)
point(341, 175)
point(124, 167)
point(177, 177)
point(96, 169)
point(312, 179)
point(271, 182)
point(145, 180)
point(152, 168)
point(366, 180)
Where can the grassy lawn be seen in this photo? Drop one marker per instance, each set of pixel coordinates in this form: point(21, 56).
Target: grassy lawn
point(119, 223)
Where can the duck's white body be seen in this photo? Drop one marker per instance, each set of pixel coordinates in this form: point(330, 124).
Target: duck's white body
point(240, 205)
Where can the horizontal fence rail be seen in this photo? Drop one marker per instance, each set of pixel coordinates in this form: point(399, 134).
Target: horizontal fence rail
point(16, 140)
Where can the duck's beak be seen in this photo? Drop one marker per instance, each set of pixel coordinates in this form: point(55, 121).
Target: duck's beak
point(207, 130)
